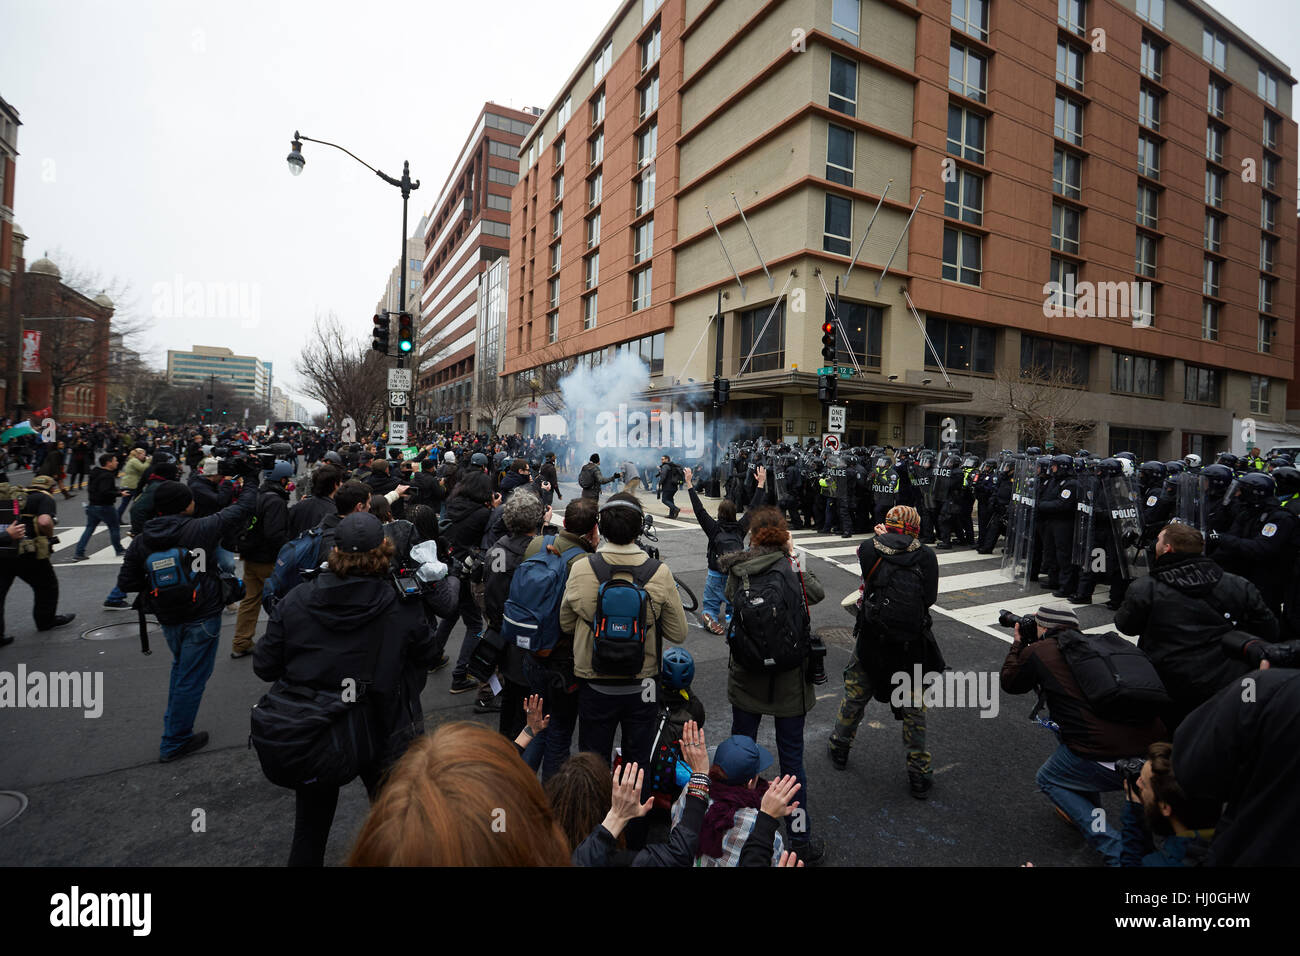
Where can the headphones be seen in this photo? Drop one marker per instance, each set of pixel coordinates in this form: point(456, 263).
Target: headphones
point(623, 504)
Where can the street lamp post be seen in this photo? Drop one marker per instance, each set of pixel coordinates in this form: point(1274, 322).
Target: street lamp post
point(405, 184)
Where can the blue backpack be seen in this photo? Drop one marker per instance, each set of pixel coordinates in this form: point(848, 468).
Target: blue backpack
point(296, 558)
point(531, 617)
point(173, 584)
point(623, 615)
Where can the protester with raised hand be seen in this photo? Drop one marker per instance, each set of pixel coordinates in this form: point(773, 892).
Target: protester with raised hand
point(726, 535)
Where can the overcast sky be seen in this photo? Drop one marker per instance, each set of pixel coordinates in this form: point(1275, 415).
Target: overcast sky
point(154, 137)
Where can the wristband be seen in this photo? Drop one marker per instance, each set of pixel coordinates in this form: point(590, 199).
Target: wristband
point(529, 730)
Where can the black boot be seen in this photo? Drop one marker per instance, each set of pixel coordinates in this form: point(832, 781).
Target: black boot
point(921, 784)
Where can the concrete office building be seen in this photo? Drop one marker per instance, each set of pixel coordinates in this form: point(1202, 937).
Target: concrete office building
point(249, 376)
point(1034, 149)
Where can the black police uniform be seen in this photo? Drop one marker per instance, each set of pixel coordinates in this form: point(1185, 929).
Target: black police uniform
point(18, 559)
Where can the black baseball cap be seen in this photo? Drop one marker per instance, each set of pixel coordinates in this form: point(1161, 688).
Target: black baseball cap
point(360, 531)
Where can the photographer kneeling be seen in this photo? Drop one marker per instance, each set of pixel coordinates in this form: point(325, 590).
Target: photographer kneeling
point(1083, 765)
point(1157, 804)
point(347, 625)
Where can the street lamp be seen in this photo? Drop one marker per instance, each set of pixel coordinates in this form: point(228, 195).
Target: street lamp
point(296, 162)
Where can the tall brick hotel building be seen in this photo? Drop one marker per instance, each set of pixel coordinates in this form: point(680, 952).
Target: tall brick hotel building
point(1073, 141)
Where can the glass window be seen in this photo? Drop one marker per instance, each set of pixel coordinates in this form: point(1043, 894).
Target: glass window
point(553, 293)
point(598, 109)
point(1210, 321)
point(589, 312)
point(596, 149)
point(1210, 278)
point(838, 229)
point(647, 144)
point(961, 257)
point(1149, 157)
point(648, 8)
point(1259, 398)
point(1265, 342)
point(650, 49)
point(1065, 228)
point(1214, 188)
point(967, 72)
point(1213, 48)
point(604, 60)
point(1149, 109)
point(839, 155)
point(964, 198)
point(1269, 179)
point(564, 112)
point(643, 241)
point(1213, 232)
point(1201, 385)
point(559, 151)
point(1145, 260)
point(1153, 12)
point(1266, 294)
point(1054, 360)
point(591, 271)
point(506, 176)
point(1216, 95)
point(1266, 87)
point(769, 349)
point(593, 230)
point(1069, 65)
point(1267, 252)
point(1137, 375)
point(557, 221)
point(1068, 121)
point(1067, 174)
point(1069, 14)
point(649, 97)
point(1272, 125)
point(863, 325)
point(1214, 143)
point(1147, 208)
point(844, 85)
point(645, 190)
point(971, 16)
point(555, 257)
point(1064, 273)
point(557, 187)
point(845, 18)
point(961, 347)
point(553, 328)
point(965, 133)
point(1268, 213)
point(1151, 59)
point(641, 282)
point(594, 187)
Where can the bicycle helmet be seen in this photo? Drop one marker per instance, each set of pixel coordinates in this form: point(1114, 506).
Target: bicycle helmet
point(678, 668)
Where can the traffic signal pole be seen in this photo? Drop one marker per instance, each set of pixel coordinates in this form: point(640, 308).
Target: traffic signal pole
point(714, 484)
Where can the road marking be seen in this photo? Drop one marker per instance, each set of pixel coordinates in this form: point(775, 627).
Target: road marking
point(972, 581)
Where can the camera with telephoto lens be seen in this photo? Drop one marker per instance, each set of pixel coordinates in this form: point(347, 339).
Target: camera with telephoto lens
point(1028, 624)
point(817, 660)
point(1130, 768)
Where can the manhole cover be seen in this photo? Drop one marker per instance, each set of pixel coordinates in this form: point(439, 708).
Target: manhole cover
point(842, 636)
point(12, 804)
point(113, 632)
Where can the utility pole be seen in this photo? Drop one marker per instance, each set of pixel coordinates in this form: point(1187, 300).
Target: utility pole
point(714, 485)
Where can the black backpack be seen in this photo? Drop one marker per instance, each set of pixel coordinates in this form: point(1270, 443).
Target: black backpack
point(728, 541)
point(585, 477)
point(1117, 678)
point(895, 607)
point(770, 631)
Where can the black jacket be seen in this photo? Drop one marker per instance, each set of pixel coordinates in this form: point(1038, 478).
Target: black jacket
point(503, 557)
point(103, 486)
point(170, 531)
point(883, 658)
point(1260, 546)
point(548, 474)
point(1179, 611)
point(601, 849)
point(468, 520)
point(427, 489)
point(272, 528)
point(1244, 753)
point(511, 481)
point(324, 632)
point(308, 513)
point(381, 483)
point(725, 537)
point(209, 498)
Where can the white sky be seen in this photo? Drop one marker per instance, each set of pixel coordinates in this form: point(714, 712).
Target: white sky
point(155, 132)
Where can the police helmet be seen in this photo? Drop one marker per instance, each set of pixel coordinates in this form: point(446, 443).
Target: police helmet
point(1256, 487)
point(1192, 461)
point(1217, 477)
point(1110, 467)
point(1174, 467)
point(1286, 480)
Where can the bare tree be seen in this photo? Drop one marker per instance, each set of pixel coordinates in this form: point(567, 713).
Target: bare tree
point(344, 375)
point(1041, 402)
point(497, 401)
point(555, 365)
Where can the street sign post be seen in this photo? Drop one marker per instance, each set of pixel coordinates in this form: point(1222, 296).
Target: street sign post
point(831, 441)
point(399, 379)
point(396, 432)
point(836, 423)
point(397, 399)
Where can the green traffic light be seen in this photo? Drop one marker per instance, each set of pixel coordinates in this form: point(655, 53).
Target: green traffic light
point(404, 346)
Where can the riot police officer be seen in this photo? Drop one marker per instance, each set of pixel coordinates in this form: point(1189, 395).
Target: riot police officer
point(884, 486)
point(1001, 486)
point(921, 473)
point(1056, 511)
point(1259, 544)
point(1114, 527)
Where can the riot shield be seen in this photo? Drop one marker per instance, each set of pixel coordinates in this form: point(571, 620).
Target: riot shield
point(1020, 523)
point(1085, 524)
point(834, 476)
point(1190, 508)
point(777, 479)
point(923, 482)
point(1121, 501)
point(844, 488)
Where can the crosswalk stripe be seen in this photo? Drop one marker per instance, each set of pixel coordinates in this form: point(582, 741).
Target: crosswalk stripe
point(967, 582)
point(959, 557)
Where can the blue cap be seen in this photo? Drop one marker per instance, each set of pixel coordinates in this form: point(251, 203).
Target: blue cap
point(741, 758)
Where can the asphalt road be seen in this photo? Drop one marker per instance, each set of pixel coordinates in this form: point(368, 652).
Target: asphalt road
point(97, 795)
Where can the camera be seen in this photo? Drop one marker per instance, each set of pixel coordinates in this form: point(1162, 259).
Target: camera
point(1130, 768)
point(407, 584)
point(817, 660)
point(1028, 624)
point(487, 652)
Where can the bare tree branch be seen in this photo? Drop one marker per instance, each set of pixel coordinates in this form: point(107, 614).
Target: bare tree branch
point(344, 375)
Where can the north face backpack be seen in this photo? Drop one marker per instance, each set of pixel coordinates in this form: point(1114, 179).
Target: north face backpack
point(172, 583)
point(531, 617)
point(623, 615)
point(769, 630)
point(896, 604)
point(1117, 678)
point(296, 558)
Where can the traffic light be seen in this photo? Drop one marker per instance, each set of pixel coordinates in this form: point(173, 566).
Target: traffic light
point(826, 386)
point(721, 391)
point(828, 342)
point(379, 339)
point(405, 333)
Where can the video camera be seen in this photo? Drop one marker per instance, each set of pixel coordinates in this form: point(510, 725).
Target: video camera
point(1028, 624)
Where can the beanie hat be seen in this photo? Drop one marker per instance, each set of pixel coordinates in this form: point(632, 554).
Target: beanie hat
point(1050, 618)
point(594, 459)
point(171, 498)
point(905, 519)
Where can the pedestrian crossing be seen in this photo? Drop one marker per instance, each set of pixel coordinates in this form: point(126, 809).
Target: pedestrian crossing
point(98, 556)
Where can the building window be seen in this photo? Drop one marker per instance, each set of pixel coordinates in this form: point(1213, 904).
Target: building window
point(1272, 125)
point(1067, 174)
point(559, 152)
point(1210, 278)
point(1266, 87)
point(769, 349)
point(845, 18)
point(1149, 157)
point(1149, 109)
point(1213, 232)
point(1147, 206)
point(1259, 394)
point(593, 230)
point(965, 133)
point(641, 282)
point(591, 271)
point(505, 176)
point(645, 190)
point(557, 221)
point(1215, 97)
point(839, 155)
point(1153, 12)
point(1267, 249)
point(1266, 294)
point(844, 85)
point(647, 144)
point(1064, 274)
point(862, 333)
point(1143, 443)
point(1145, 260)
point(648, 8)
point(1210, 321)
point(643, 242)
point(1213, 48)
point(498, 202)
point(964, 198)
point(1201, 386)
point(650, 49)
point(564, 112)
point(1068, 120)
point(961, 347)
point(604, 60)
point(1268, 213)
point(557, 188)
point(589, 312)
point(971, 16)
point(1151, 57)
point(1053, 360)
point(1069, 14)
point(837, 233)
point(555, 257)
point(1265, 341)
point(1269, 179)
point(1069, 65)
point(553, 328)
point(1214, 188)
point(596, 149)
point(594, 185)
point(598, 109)
point(648, 96)
point(1065, 228)
point(967, 72)
point(553, 293)
point(961, 257)
point(1214, 143)
point(1137, 375)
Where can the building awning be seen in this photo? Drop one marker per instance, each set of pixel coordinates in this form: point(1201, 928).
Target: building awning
point(869, 387)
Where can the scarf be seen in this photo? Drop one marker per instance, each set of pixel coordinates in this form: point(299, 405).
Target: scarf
point(724, 800)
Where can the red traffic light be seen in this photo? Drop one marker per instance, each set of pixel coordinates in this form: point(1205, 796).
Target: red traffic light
point(828, 328)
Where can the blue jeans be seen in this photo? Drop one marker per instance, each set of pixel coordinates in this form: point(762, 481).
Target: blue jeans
point(124, 503)
point(117, 594)
point(789, 753)
point(715, 595)
point(1074, 784)
point(194, 650)
point(667, 496)
point(94, 515)
point(225, 560)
